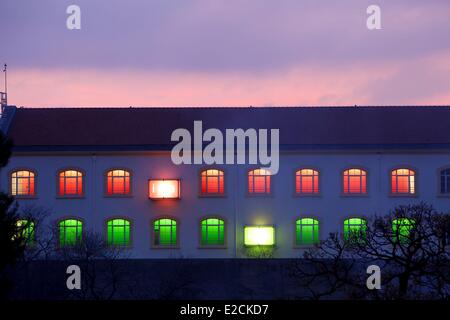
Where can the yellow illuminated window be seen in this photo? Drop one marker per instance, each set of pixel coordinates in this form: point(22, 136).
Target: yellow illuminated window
point(259, 236)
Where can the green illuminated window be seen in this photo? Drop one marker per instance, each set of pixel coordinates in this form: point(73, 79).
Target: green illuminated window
point(355, 229)
point(70, 231)
point(26, 230)
point(118, 232)
point(165, 232)
point(401, 228)
point(307, 231)
point(213, 232)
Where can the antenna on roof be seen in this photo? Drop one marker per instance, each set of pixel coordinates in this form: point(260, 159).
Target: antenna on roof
point(4, 95)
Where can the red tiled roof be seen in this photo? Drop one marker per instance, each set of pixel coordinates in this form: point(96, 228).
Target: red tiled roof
point(151, 128)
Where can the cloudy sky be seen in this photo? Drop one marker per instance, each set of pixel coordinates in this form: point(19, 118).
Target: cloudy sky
point(226, 53)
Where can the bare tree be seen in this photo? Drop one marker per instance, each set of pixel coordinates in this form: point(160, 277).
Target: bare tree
point(408, 245)
point(102, 266)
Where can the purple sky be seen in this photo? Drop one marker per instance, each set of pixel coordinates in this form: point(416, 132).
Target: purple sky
point(226, 52)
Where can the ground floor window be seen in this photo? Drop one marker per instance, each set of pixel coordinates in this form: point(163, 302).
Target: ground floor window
point(118, 232)
point(213, 232)
point(165, 232)
point(307, 231)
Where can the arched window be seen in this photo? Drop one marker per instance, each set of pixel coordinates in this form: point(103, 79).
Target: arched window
point(212, 182)
point(70, 183)
point(213, 232)
point(118, 182)
point(118, 232)
point(355, 229)
point(26, 230)
point(401, 229)
point(70, 232)
point(355, 181)
point(403, 181)
point(165, 232)
point(307, 181)
point(306, 231)
point(445, 181)
point(22, 183)
point(259, 181)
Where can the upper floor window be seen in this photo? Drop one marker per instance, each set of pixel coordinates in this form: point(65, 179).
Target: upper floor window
point(259, 181)
point(23, 183)
point(403, 181)
point(212, 182)
point(26, 230)
point(165, 232)
point(70, 231)
point(306, 231)
point(118, 232)
point(445, 181)
point(307, 181)
point(355, 181)
point(355, 229)
point(213, 232)
point(118, 182)
point(70, 183)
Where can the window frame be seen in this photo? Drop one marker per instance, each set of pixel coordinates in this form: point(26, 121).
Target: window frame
point(118, 195)
point(439, 175)
point(32, 222)
point(416, 182)
point(319, 233)
point(152, 234)
point(24, 197)
point(319, 182)
point(59, 230)
point(83, 183)
point(105, 223)
point(212, 195)
point(349, 194)
point(225, 237)
point(264, 194)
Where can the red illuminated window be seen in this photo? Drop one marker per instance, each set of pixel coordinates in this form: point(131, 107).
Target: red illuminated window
point(22, 183)
point(118, 182)
point(307, 181)
point(403, 181)
point(212, 182)
point(259, 181)
point(355, 181)
point(70, 183)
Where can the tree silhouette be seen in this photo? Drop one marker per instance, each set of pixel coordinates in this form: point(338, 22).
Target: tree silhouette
point(408, 244)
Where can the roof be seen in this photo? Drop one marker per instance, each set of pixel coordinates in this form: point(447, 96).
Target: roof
point(300, 127)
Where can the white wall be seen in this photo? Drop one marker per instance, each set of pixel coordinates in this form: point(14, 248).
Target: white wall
point(280, 209)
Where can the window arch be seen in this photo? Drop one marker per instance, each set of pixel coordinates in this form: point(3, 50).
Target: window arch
point(71, 183)
point(444, 185)
point(212, 181)
point(26, 230)
point(118, 182)
point(70, 232)
point(212, 232)
point(355, 181)
point(165, 232)
point(118, 232)
point(403, 181)
point(259, 181)
point(23, 183)
point(307, 181)
point(355, 229)
point(306, 231)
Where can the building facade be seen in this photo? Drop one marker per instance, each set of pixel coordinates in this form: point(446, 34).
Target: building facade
point(110, 170)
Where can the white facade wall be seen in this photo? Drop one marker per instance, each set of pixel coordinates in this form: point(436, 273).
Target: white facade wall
point(280, 209)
